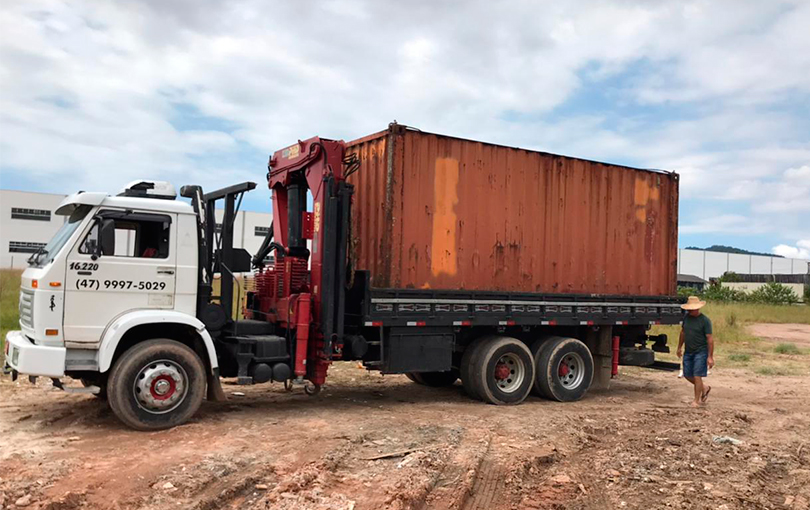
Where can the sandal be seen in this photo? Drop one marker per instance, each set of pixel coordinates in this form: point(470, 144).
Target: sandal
point(705, 395)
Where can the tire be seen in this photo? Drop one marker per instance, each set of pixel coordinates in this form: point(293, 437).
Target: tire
point(413, 377)
point(171, 373)
point(102, 395)
point(564, 384)
point(466, 368)
point(437, 379)
point(503, 371)
point(538, 347)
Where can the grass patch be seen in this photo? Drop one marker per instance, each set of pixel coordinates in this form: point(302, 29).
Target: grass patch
point(9, 304)
point(755, 312)
point(773, 370)
point(739, 357)
point(786, 348)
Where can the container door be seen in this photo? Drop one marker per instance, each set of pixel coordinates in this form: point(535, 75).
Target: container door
point(139, 273)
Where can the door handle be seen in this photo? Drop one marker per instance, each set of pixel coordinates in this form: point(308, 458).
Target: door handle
point(165, 271)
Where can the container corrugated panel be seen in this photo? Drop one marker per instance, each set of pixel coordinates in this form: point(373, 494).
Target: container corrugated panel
point(438, 212)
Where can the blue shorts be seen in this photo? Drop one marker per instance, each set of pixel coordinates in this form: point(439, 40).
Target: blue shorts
point(695, 363)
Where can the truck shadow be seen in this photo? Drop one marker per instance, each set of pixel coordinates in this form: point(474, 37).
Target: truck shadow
point(271, 402)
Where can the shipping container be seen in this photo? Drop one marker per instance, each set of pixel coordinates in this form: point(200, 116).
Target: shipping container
point(439, 212)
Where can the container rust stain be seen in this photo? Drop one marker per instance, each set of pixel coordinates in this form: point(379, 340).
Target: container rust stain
point(645, 192)
point(445, 197)
point(438, 212)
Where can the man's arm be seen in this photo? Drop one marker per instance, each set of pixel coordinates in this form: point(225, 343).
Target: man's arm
point(709, 340)
point(680, 344)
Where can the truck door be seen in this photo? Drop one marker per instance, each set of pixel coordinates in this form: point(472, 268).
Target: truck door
point(139, 273)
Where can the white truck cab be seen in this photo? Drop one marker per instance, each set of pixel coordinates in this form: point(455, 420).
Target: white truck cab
point(121, 272)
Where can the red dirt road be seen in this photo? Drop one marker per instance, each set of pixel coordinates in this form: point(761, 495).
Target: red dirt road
point(637, 446)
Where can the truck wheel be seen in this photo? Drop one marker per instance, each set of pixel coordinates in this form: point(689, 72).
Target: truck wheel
point(503, 371)
point(538, 347)
point(564, 369)
point(156, 385)
point(467, 361)
point(413, 377)
point(437, 379)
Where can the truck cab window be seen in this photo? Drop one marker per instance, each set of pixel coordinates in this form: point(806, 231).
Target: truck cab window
point(139, 235)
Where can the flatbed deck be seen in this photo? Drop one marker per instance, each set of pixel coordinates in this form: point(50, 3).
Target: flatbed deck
point(418, 307)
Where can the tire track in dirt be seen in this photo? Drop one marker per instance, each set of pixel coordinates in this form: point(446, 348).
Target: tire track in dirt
point(487, 486)
point(456, 482)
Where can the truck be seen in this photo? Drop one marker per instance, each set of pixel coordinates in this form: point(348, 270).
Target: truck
point(515, 271)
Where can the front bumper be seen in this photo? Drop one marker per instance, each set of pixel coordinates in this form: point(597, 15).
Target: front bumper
point(28, 358)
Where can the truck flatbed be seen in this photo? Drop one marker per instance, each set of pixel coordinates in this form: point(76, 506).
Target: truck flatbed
point(418, 307)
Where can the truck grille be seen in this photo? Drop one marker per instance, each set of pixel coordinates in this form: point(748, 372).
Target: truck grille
point(27, 308)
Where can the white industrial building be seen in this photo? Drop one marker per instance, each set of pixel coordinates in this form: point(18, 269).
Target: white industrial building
point(28, 220)
point(712, 264)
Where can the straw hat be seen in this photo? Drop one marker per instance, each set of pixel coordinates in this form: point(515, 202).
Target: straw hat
point(693, 303)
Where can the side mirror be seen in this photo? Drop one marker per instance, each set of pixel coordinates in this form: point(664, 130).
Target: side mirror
point(106, 236)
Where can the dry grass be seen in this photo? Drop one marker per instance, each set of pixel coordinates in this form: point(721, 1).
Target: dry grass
point(736, 347)
point(9, 304)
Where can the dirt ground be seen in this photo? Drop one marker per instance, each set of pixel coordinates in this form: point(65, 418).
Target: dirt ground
point(796, 333)
point(381, 442)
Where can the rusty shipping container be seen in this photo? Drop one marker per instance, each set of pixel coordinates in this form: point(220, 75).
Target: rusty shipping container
point(437, 212)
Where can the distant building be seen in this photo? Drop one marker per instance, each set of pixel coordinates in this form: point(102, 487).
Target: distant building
point(691, 281)
point(28, 220)
point(712, 264)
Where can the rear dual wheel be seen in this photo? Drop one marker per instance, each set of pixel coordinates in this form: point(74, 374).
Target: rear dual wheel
point(564, 368)
point(503, 370)
point(498, 370)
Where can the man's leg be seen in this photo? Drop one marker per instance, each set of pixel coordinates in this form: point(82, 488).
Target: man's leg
point(699, 371)
point(698, 382)
point(687, 366)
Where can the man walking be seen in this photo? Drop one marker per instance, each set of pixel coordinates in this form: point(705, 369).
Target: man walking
point(696, 333)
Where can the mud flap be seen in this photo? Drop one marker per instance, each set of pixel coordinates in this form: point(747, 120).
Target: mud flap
point(215, 391)
point(600, 344)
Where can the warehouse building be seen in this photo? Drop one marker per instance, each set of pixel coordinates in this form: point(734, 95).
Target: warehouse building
point(29, 220)
point(712, 264)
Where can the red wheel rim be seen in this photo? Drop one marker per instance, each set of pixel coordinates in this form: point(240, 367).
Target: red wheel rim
point(158, 383)
point(501, 371)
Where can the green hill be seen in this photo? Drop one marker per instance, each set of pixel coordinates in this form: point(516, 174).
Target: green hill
point(730, 249)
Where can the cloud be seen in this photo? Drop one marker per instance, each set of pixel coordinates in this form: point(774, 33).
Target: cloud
point(726, 223)
point(97, 94)
point(800, 251)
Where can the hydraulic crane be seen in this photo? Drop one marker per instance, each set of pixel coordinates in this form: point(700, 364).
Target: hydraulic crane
point(303, 292)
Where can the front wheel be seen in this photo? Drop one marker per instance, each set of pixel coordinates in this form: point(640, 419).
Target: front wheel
point(156, 385)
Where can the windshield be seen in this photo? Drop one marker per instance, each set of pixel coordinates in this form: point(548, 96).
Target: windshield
point(48, 252)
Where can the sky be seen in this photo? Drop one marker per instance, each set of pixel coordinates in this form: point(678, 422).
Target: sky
point(95, 94)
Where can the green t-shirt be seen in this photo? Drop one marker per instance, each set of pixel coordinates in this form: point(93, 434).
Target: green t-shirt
point(695, 330)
